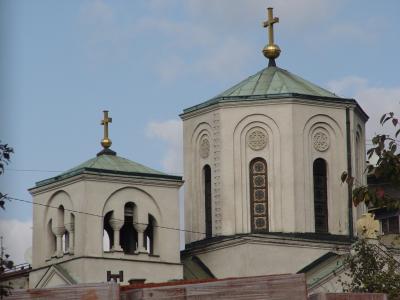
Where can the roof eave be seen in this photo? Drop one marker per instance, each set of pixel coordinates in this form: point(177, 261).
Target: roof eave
point(104, 171)
point(217, 100)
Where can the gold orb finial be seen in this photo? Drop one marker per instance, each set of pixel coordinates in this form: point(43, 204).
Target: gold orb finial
point(271, 51)
point(106, 141)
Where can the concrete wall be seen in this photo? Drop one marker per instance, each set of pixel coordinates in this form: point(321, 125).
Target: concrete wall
point(254, 256)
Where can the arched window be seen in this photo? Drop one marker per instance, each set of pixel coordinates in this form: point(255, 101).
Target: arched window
point(149, 235)
point(51, 240)
point(258, 195)
point(128, 235)
point(65, 241)
point(108, 233)
point(207, 200)
point(61, 224)
point(320, 196)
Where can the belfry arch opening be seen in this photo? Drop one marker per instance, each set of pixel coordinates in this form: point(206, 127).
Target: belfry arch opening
point(320, 196)
point(150, 235)
point(108, 232)
point(258, 195)
point(51, 240)
point(128, 234)
point(207, 200)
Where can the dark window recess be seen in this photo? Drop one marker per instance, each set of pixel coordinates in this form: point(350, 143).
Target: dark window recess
point(258, 196)
point(390, 225)
point(320, 196)
point(128, 234)
point(207, 200)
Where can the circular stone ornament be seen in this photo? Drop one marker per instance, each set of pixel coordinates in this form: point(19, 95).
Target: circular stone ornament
point(204, 148)
point(257, 140)
point(320, 141)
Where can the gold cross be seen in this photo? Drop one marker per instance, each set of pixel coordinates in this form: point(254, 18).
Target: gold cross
point(106, 142)
point(270, 24)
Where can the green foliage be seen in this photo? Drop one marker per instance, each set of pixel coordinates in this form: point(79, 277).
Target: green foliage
point(5, 155)
point(371, 270)
point(5, 264)
point(386, 169)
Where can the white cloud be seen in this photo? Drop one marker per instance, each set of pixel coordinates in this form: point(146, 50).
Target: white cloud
point(216, 32)
point(104, 37)
point(17, 238)
point(170, 132)
point(374, 100)
point(369, 31)
point(348, 85)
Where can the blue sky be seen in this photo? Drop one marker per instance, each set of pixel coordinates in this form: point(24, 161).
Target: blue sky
point(63, 62)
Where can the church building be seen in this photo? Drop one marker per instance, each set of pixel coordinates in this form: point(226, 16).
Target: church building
point(263, 195)
point(262, 167)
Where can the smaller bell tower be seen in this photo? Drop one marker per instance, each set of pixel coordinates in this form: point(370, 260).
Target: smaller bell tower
point(105, 216)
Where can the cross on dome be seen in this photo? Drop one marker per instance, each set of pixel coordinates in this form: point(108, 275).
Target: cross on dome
point(106, 142)
point(271, 51)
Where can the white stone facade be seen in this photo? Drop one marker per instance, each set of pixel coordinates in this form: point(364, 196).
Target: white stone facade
point(289, 134)
point(68, 229)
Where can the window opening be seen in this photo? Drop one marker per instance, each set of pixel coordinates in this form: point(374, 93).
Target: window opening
point(128, 233)
point(207, 200)
point(258, 195)
point(320, 196)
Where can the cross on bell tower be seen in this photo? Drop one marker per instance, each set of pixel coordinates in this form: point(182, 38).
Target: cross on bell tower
point(106, 141)
point(271, 51)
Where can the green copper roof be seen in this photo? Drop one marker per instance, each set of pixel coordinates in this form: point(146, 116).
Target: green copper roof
point(271, 81)
point(110, 164)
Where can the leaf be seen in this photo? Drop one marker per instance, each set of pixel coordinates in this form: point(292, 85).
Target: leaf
point(397, 133)
point(343, 177)
point(395, 122)
point(387, 118)
point(382, 118)
point(350, 180)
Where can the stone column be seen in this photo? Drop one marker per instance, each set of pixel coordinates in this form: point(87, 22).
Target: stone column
point(59, 232)
point(116, 226)
point(140, 228)
point(71, 230)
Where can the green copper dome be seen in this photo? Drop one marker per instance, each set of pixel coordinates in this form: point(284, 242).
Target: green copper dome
point(110, 164)
point(271, 82)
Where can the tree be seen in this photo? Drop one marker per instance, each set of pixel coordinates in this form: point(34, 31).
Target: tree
point(371, 270)
point(369, 267)
point(5, 156)
point(386, 170)
point(5, 262)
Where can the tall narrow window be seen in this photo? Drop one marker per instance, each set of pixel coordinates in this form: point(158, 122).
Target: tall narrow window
point(207, 200)
point(320, 196)
point(258, 195)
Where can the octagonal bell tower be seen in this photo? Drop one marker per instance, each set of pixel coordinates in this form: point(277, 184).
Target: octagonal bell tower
point(262, 160)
